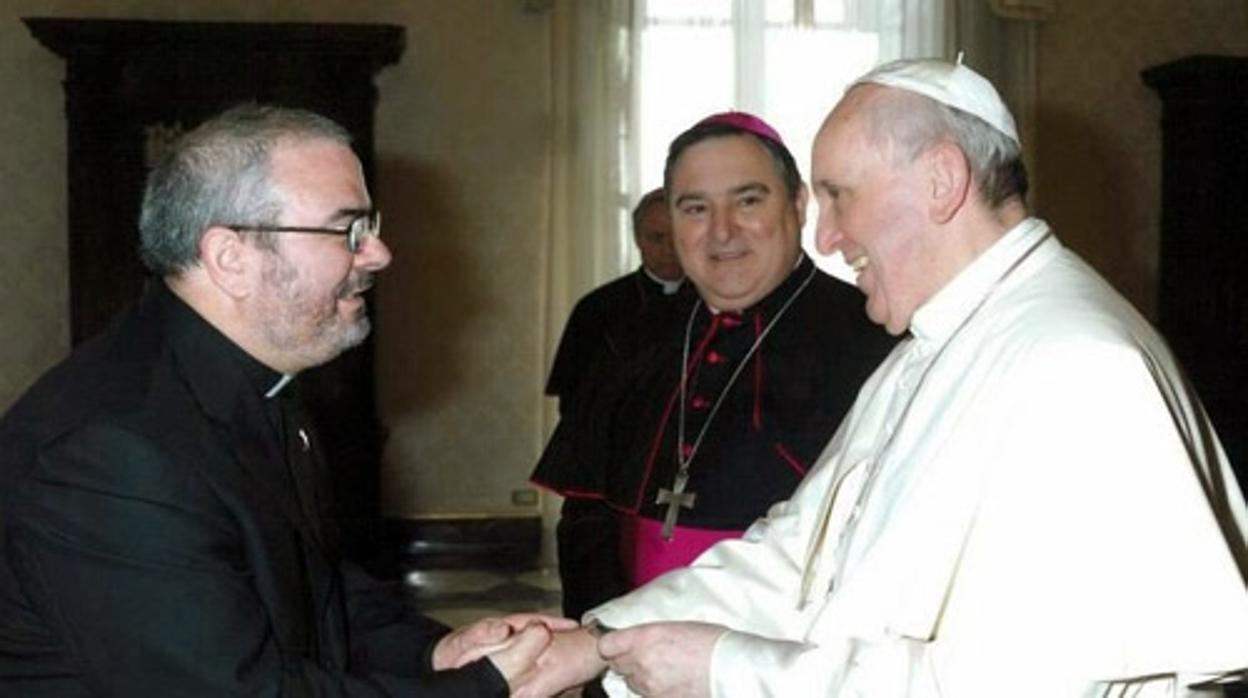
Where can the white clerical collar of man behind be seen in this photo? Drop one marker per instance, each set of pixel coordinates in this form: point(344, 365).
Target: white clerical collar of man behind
point(951, 84)
point(669, 287)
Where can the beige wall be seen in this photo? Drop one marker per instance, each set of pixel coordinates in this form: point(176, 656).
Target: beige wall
point(463, 162)
point(1098, 163)
point(34, 264)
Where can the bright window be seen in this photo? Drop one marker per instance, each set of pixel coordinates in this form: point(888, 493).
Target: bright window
point(787, 61)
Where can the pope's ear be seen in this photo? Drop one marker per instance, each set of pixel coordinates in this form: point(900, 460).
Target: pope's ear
point(227, 259)
point(950, 181)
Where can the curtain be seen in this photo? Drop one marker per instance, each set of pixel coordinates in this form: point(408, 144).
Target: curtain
point(591, 103)
point(591, 88)
point(999, 39)
point(907, 28)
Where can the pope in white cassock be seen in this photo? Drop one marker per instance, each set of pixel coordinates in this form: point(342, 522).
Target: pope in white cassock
point(1026, 498)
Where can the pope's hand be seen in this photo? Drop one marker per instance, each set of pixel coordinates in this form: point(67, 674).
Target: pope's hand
point(663, 659)
point(570, 660)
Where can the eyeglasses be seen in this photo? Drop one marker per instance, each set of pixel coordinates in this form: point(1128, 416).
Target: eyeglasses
point(365, 224)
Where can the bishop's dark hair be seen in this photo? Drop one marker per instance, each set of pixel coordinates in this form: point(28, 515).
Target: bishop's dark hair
point(782, 159)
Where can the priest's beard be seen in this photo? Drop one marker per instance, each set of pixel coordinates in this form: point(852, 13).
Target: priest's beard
point(303, 322)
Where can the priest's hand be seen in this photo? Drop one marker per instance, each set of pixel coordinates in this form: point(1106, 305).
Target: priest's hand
point(570, 660)
point(471, 642)
point(663, 659)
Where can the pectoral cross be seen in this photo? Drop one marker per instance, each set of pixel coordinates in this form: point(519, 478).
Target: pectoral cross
point(674, 498)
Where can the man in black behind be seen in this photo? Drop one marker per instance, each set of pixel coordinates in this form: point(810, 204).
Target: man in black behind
point(607, 329)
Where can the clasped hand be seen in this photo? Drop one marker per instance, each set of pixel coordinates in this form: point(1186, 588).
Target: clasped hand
point(512, 643)
point(654, 659)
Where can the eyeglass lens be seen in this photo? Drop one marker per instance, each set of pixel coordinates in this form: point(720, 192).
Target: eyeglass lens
point(363, 226)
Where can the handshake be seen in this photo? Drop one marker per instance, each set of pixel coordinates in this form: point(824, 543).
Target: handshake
point(542, 655)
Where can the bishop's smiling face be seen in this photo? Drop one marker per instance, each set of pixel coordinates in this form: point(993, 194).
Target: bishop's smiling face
point(737, 230)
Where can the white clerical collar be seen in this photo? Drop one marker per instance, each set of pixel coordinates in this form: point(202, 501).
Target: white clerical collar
point(277, 387)
point(669, 287)
point(936, 319)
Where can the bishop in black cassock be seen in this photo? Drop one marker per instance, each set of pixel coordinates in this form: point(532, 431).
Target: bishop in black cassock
point(723, 412)
point(620, 447)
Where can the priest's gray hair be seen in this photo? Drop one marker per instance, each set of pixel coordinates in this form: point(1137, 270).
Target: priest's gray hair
point(912, 123)
point(218, 174)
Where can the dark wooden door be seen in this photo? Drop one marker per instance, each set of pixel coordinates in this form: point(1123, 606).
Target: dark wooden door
point(1203, 286)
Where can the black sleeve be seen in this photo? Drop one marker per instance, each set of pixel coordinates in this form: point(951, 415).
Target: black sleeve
point(390, 638)
point(581, 341)
point(137, 573)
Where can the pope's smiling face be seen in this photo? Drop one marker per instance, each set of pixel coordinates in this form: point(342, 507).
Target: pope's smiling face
point(737, 229)
point(871, 210)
